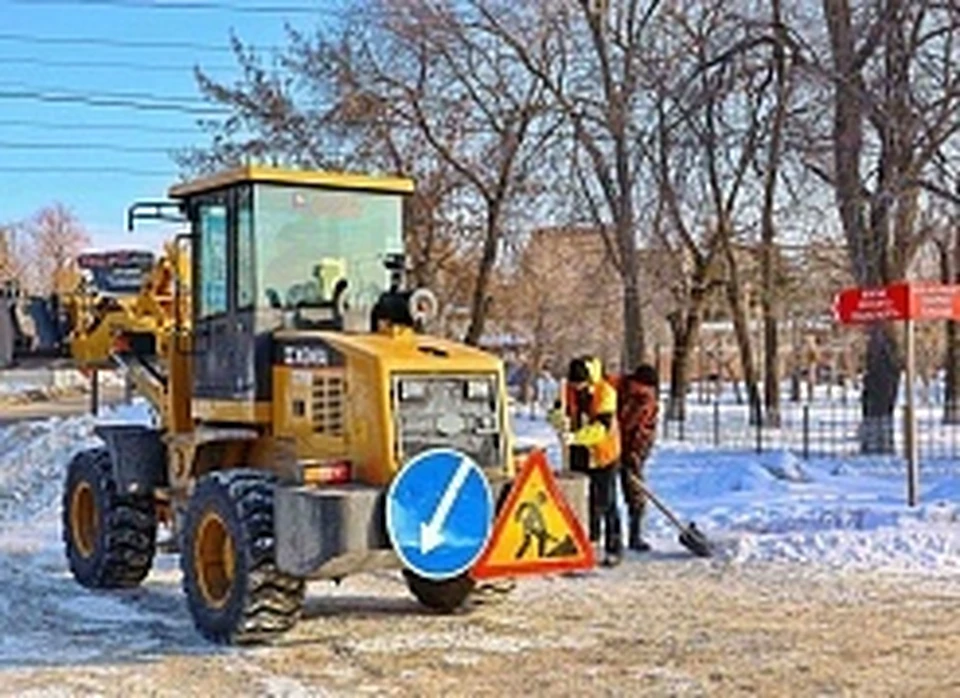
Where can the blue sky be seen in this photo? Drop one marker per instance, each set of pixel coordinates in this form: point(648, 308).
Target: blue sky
point(39, 53)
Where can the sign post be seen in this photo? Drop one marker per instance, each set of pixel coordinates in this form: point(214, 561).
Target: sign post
point(910, 417)
point(907, 302)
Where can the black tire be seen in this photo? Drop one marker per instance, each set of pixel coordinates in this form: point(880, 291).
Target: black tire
point(110, 537)
point(238, 596)
point(445, 596)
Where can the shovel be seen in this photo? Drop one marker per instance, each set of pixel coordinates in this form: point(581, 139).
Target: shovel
point(691, 537)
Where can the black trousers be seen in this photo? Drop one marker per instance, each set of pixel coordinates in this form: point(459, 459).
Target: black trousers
point(604, 515)
point(603, 508)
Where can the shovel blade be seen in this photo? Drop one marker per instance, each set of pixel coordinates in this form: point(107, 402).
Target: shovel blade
point(693, 540)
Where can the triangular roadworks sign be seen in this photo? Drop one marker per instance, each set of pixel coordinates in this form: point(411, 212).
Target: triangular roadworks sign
point(536, 532)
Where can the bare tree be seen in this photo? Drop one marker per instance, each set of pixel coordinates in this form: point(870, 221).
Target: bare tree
point(588, 57)
point(56, 238)
point(712, 109)
point(896, 108)
point(948, 250)
point(412, 86)
point(464, 84)
point(10, 262)
point(768, 225)
point(302, 109)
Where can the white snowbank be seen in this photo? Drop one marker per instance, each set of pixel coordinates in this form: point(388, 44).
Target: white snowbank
point(770, 506)
point(34, 457)
point(776, 507)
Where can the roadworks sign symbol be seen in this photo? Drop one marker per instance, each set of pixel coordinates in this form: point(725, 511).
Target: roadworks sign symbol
point(535, 532)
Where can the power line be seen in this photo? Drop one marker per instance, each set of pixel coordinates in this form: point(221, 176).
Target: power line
point(113, 65)
point(80, 169)
point(101, 42)
point(107, 102)
point(205, 5)
point(107, 147)
point(74, 126)
point(97, 94)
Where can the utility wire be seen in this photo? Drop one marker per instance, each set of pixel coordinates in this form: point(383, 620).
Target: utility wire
point(79, 169)
point(112, 65)
point(97, 94)
point(74, 126)
point(189, 6)
point(107, 102)
point(13, 37)
point(106, 147)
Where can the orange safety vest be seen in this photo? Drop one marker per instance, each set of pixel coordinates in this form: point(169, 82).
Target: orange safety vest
point(606, 452)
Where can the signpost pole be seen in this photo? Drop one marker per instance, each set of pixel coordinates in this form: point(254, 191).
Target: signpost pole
point(910, 418)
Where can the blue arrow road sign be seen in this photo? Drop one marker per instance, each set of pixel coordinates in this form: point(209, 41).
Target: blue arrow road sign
point(439, 513)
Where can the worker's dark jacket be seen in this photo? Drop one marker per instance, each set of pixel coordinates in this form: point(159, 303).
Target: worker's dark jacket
point(637, 414)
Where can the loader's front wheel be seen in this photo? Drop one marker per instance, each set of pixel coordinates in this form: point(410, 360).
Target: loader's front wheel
point(109, 537)
point(234, 590)
point(444, 595)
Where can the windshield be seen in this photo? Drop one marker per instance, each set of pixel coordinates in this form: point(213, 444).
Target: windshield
point(309, 239)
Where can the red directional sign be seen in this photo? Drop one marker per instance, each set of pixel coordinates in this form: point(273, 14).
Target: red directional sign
point(899, 301)
point(854, 306)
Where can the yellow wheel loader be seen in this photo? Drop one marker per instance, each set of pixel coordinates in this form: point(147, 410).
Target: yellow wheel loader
point(295, 389)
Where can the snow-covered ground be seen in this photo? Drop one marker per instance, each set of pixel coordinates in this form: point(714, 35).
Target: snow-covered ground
point(773, 506)
point(31, 385)
point(832, 515)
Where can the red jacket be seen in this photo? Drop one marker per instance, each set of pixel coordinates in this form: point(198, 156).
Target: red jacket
point(637, 413)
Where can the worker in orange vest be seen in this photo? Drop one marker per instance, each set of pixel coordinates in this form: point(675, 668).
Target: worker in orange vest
point(593, 439)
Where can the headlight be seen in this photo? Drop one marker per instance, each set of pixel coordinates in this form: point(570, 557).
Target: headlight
point(413, 390)
point(478, 390)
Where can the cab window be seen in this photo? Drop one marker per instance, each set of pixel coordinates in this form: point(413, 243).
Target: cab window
point(212, 219)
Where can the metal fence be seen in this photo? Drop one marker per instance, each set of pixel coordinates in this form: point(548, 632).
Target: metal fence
point(811, 430)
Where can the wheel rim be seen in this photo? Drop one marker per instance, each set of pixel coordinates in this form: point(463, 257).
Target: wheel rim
point(83, 519)
point(213, 559)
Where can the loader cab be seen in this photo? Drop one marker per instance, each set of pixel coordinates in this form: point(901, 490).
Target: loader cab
point(276, 249)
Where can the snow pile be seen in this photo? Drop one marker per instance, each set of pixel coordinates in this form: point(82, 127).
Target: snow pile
point(759, 507)
point(906, 548)
point(745, 476)
point(947, 491)
point(775, 507)
point(34, 458)
point(783, 465)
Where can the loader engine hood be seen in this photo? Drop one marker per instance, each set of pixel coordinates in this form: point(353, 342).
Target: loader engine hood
point(410, 392)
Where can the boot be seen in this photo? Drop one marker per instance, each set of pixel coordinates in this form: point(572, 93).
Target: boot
point(636, 541)
point(611, 560)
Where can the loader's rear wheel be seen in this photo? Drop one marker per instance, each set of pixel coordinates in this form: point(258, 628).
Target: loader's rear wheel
point(234, 590)
point(110, 537)
point(446, 595)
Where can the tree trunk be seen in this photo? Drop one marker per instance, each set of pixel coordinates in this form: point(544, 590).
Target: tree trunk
point(867, 241)
point(771, 373)
point(771, 377)
point(634, 340)
point(951, 403)
point(741, 331)
point(479, 303)
point(679, 376)
point(880, 383)
point(951, 274)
